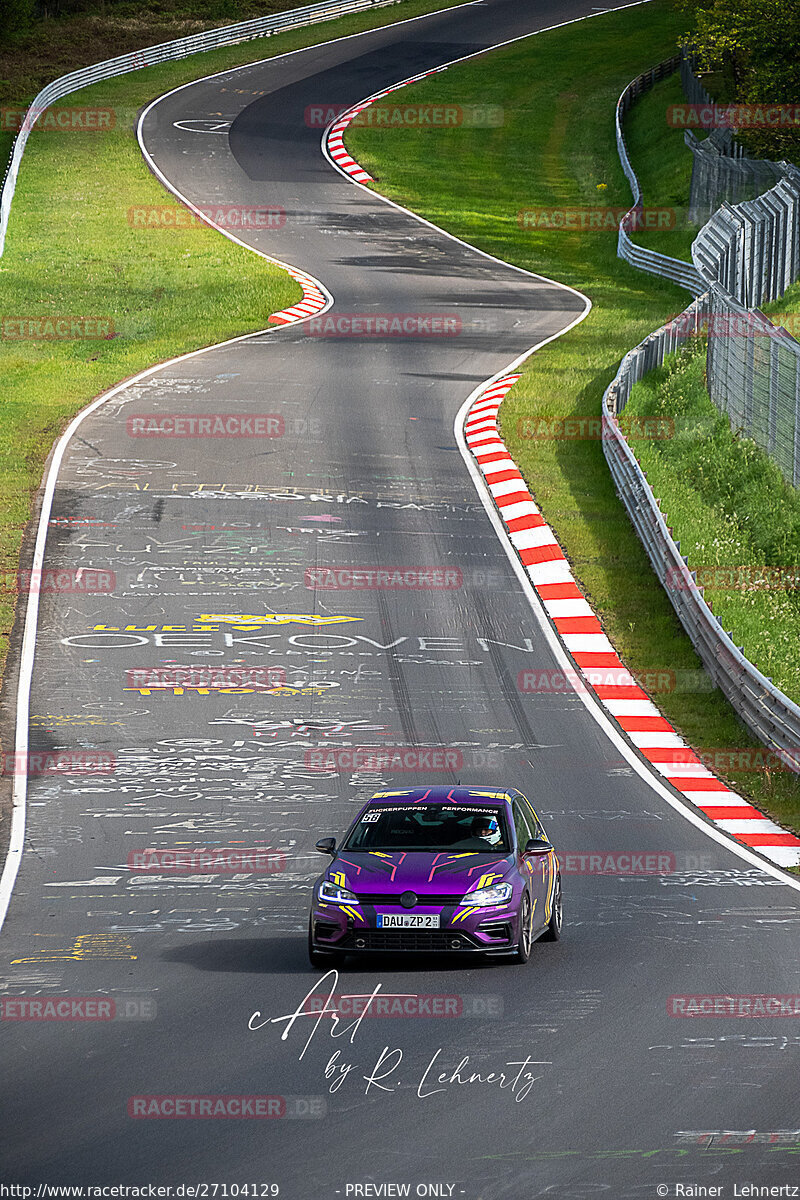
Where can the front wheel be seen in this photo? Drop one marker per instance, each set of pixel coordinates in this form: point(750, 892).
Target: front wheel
point(553, 931)
point(322, 958)
point(525, 930)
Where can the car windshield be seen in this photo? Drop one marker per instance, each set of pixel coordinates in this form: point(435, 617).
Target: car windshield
point(430, 827)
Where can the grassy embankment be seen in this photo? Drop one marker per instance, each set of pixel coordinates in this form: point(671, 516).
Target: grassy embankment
point(556, 149)
point(71, 250)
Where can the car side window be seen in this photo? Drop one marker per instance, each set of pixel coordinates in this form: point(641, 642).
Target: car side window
point(533, 820)
point(521, 825)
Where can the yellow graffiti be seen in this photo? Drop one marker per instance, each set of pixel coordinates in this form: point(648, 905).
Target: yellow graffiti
point(251, 621)
point(548, 909)
point(86, 945)
point(71, 719)
point(181, 689)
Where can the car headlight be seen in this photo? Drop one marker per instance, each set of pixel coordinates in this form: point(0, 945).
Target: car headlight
point(339, 895)
point(498, 893)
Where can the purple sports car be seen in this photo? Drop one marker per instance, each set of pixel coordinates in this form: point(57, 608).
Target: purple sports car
point(438, 869)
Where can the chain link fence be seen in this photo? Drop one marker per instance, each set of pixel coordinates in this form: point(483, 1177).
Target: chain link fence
point(721, 171)
point(753, 374)
point(720, 174)
point(753, 249)
point(750, 254)
point(768, 713)
point(744, 256)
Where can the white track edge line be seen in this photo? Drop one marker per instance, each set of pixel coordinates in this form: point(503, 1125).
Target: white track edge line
point(359, 104)
point(259, 62)
point(16, 842)
point(604, 721)
point(28, 650)
point(19, 794)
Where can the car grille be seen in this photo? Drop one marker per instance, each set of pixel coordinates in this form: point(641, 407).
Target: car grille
point(422, 940)
point(431, 901)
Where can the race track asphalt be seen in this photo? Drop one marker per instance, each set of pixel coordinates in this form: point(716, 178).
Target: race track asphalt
point(367, 474)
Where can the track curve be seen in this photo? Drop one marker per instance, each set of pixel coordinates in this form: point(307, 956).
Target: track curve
point(366, 474)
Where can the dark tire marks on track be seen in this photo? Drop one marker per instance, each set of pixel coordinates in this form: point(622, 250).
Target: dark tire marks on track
point(192, 530)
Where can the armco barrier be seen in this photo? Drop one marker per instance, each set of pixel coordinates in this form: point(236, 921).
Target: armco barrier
point(211, 39)
point(769, 714)
point(682, 273)
point(753, 249)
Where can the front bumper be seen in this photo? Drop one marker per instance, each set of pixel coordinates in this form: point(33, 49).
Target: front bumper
point(355, 930)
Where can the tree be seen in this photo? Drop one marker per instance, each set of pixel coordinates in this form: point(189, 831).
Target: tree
point(755, 46)
point(15, 18)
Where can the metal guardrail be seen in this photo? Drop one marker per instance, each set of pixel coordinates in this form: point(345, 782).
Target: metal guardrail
point(211, 39)
point(770, 715)
point(682, 273)
point(753, 249)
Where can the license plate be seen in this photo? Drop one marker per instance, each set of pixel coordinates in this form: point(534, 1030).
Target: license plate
point(408, 920)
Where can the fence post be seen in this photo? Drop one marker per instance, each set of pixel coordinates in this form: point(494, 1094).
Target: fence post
point(772, 413)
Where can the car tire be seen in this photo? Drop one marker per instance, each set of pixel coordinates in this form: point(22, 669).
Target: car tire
point(523, 951)
point(322, 958)
point(553, 931)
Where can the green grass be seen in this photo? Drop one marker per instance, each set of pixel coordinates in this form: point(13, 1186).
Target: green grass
point(730, 507)
point(56, 44)
point(557, 145)
point(71, 251)
point(663, 162)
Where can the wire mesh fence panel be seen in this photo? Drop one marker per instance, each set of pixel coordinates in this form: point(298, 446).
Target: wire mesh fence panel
point(746, 255)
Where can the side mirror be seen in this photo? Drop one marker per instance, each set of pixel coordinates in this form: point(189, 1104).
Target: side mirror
point(326, 845)
point(538, 846)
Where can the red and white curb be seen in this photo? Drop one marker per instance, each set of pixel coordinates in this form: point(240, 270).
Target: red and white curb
point(313, 300)
point(333, 137)
point(335, 146)
point(582, 635)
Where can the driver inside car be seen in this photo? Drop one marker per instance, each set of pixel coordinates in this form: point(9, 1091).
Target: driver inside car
point(484, 835)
